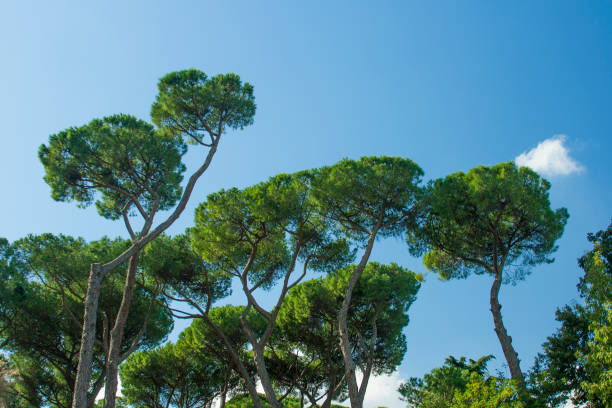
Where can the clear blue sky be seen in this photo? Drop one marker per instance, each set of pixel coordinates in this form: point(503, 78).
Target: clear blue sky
point(451, 85)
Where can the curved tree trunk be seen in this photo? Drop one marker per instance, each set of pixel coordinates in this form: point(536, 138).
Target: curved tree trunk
point(98, 271)
point(345, 342)
point(116, 335)
point(90, 315)
point(264, 377)
point(504, 339)
point(223, 396)
point(236, 360)
point(330, 391)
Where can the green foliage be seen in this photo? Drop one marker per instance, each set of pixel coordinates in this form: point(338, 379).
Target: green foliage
point(122, 158)
point(200, 336)
point(438, 388)
point(576, 362)
point(260, 227)
point(559, 370)
point(190, 103)
point(596, 287)
point(191, 372)
point(307, 322)
point(600, 358)
point(8, 374)
point(486, 219)
point(356, 194)
point(244, 401)
point(169, 376)
point(171, 260)
point(41, 300)
point(305, 343)
point(383, 295)
point(490, 393)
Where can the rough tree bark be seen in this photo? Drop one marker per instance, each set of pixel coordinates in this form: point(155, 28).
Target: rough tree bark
point(504, 339)
point(116, 335)
point(345, 342)
point(99, 271)
point(81, 385)
point(223, 396)
point(264, 377)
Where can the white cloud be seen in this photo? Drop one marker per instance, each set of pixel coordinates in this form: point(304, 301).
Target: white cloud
point(382, 391)
point(550, 158)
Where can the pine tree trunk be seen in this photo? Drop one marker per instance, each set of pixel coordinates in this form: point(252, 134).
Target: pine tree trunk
point(224, 389)
point(264, 377)
point(237, 362)
point(504, 339)
point(116, 335)
point(345, 343)
point(330, 391)
point(81, 384)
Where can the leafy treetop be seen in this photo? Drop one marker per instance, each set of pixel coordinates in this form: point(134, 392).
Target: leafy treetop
point(123, 158)
point(486, 219)
point(370, 195)
point(200, 108)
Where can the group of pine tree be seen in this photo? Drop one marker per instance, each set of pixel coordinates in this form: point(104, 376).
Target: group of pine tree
point(76, 315)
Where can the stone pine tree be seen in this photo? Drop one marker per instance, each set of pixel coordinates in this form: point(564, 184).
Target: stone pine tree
point(258, 236)
point(136, 169)
point(41, 299)
point(202, 342)
point(307, 339)
point(492, 220)
point(127, 166)
point(367, 199)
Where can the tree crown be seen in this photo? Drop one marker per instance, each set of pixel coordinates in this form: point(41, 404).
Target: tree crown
point(360, 194)
point(123, 159)
point(201, 108)
point(487, 219)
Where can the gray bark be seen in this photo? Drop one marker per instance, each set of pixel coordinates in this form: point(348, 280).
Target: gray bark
point(264, 377)
point(116, 335)
point(224, 389)
point(355, 396)
point(236, 360)
point(504, 339)
point(330, 392)
point(81, 385)
point(95, 282)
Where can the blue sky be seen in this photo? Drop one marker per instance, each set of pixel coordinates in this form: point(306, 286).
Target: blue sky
point(451, 85)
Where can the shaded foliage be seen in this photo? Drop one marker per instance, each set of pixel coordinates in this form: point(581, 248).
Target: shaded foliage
point(45, 280)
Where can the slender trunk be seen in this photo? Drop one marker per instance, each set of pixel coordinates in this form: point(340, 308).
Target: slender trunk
point(366, 374)
point(116, 334)
point(345, 342)
point(264, 377)
point(236, 360)
point(504, 339)
point(95, 282)
point(330, 391)
point(224, 389)
point(81, 385)
point(96, 389)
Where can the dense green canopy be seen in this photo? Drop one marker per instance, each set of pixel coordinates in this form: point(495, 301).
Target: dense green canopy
point(495, 220)
point(489, 218)
point(125, 159)
point(308, 327)
point(44, 282)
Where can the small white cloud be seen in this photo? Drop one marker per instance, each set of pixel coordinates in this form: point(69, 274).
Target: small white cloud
point(382, 391)
point(550, 158)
